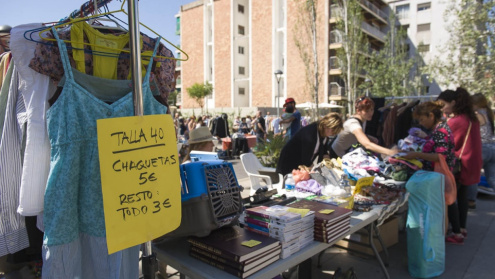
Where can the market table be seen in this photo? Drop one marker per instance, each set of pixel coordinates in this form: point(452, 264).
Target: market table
point(227, 142)
point(175, 252)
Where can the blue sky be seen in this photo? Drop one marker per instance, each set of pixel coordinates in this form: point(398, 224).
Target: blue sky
point(159, 15)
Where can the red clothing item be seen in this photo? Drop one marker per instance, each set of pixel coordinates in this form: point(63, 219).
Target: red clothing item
point(471, 157)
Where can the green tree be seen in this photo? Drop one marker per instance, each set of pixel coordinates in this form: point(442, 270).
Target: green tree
point(199, 92)
point(390, 69)
point(305, 39)
point(354, 44)
point(172, 97)
point(468, 57)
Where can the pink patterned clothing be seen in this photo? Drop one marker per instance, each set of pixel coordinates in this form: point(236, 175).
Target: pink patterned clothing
point(47, 61)
point(440, 141)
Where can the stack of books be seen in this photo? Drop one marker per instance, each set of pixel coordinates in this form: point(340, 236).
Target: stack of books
point(235, 250)
point(293, 230)
point(330, 223)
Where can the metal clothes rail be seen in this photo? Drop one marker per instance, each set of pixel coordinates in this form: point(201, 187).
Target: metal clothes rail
point(86, 9)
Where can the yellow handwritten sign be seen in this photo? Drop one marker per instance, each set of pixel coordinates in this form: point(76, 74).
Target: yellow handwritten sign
point(251, 243)
point(363, 182)
point(326, 211)
point(140, 179)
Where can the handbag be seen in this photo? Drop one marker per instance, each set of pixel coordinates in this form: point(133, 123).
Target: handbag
point(458, 162)
point(450, 185)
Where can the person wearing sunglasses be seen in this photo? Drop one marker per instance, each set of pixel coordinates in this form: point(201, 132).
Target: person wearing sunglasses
point(353, 132)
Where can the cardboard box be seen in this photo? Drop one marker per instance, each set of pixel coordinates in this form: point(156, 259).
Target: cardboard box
point(389, 232)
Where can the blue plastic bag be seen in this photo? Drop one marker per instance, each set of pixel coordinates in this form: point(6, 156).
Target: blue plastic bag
point(426, 224)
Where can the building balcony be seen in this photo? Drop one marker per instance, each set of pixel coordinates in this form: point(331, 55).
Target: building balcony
point(336, 13)
point(336, 90)
point(335, 37)
point(373, 31)
point(373, 9)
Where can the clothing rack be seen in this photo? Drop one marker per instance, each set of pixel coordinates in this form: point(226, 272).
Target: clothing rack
point(86, 9)
point(411, 97)
point(149, 263)
point(148, 259)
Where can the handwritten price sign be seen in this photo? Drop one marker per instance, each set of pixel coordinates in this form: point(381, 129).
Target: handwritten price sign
point(140, 179)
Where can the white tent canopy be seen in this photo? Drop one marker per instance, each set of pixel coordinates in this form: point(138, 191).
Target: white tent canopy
point(327, 105)
point(307, 105)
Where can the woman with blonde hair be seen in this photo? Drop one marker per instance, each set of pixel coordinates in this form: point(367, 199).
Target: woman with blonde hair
point(309, 144)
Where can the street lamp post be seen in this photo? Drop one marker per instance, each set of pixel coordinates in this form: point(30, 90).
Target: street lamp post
point(278, 76)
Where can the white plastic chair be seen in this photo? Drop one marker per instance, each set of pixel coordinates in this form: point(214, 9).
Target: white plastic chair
point(252, 166)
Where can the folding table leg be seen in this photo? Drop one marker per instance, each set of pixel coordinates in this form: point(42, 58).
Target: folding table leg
point(384, 248)
point(371, 230)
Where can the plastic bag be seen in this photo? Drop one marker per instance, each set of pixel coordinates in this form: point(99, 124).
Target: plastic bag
point(450, 186)
point(300, 175)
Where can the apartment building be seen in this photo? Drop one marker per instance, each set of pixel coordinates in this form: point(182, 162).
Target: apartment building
point(425, 24)
point(374, 27)
point(239, 45)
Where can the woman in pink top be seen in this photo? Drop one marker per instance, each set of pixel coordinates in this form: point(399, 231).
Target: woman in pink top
point(458, 105)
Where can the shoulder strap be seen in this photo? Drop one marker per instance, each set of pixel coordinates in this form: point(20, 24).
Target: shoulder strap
point(63, 56)
point(150, 64)
point(359, 120)
point(465, 140)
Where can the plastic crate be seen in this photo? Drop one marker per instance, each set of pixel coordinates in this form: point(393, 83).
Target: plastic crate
point(211, 198)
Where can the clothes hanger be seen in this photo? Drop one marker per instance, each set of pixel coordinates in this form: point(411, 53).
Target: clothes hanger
point(72, 21)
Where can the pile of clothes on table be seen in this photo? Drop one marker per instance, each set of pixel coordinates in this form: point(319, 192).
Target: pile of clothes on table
point(360, 163)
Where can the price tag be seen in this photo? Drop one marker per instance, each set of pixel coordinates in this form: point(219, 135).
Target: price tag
point(326, 211)
point(140, 179)
point(363, 182)
point(299, 211)
point(251, 243)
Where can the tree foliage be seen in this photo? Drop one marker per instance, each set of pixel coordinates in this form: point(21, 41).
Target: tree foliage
point(354, 44)
point(305, 39)
point(199, 92)
point(390, 69)
point(468, 57)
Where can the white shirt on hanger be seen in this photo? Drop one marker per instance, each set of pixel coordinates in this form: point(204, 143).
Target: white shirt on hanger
point(35, 89)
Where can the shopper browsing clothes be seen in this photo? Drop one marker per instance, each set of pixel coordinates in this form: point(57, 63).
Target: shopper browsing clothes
point(354, 132)
point(309, 144)
point(485, 117)
point(439, 141)
point(466, 129)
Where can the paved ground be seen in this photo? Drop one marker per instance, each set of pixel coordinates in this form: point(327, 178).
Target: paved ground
point(474, 259)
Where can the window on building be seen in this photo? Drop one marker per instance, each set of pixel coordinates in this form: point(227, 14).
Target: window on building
point(402, 11)
point(424, 7)
point(424, 48)
point(241, 50)
point(242, 70)
point(240, 30)
point(240, 9)
point(423, 27)
point(242, 91)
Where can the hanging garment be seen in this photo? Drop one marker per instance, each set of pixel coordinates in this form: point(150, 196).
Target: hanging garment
point(47, 61)
point(13, 234)
point(36, 90)
point(75, 243)
point(104, 66)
